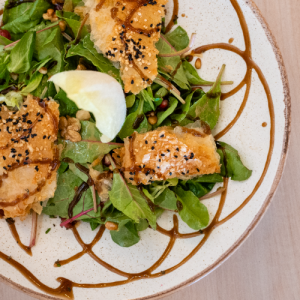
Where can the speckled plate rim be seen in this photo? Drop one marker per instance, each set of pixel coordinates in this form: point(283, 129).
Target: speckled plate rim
point(267, 202)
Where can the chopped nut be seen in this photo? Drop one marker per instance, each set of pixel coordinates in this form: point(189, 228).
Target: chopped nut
point(63, 123)
point(62, 25)
point(73, 136)
point(111, 226)
point(83, 115)
point(152, 120)
point(57, 1)
point(73, 124)
point(50, 15)
point(81, 67)
point(43, 70)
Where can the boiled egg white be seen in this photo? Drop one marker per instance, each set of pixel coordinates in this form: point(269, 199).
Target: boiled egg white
point(98, 93)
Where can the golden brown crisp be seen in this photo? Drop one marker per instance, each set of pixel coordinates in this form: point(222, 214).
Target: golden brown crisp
point(29, 158)
point(165, 153)
point(126, 32)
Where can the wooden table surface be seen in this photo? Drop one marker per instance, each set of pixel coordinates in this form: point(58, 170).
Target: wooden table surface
point(267, 265)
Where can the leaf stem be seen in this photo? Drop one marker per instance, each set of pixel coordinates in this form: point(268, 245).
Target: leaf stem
point(217, 192)
point(99, 142)
point(94, 198)
point(14, 43)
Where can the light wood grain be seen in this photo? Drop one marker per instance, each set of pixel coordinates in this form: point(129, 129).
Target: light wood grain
point(267, 266)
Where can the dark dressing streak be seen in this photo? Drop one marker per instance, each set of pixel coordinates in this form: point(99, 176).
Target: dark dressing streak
point(65, 288)
point(14, 232)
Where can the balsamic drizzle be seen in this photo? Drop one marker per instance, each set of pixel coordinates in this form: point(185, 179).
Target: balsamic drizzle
point(65, 289)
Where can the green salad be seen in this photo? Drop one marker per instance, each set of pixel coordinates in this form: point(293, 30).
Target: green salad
point(39, 39)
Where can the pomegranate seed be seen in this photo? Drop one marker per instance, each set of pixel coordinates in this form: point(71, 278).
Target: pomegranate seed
point(164, 105)
point(5, 33)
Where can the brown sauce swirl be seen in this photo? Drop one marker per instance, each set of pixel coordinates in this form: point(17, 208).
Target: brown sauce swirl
point(65, 289)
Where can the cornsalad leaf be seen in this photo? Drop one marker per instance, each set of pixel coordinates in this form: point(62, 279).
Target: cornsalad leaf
point(21, 54)
point(191, 210)
point(232, 165)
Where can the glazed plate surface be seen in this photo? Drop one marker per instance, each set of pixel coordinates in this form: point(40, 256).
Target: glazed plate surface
point(214, 21)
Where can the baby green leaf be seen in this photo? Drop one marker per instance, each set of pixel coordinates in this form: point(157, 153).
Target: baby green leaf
point(84, 152)
point(132, 120)
point(21, 54)
point(162, 115)
point(66, 106)
point(126, 236)
point(232, 165)
point(166, 200)
point(192, 211)
point(89, 131)
point(23, 17)
point(127, 199)
point(208, 107)
point(178, 38)
point(193, 76)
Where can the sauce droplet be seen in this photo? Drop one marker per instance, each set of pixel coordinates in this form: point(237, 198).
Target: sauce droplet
point(264, 124)
point(183, 15)
point(231, 40)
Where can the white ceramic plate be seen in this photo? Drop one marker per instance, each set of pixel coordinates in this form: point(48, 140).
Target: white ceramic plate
point(214, 22)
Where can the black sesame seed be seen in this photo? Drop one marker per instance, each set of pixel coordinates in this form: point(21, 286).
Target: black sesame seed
point(145, 68)
point(37, 168)
point(177, 149)
point(175, 156)
point(182, 173)
point(132, 81)
point(19, 154)
point(4, 157)
point(4, 168)
point(168, 150)
point(130, 178)
point(146, 142)
point(44, 137)
point(198, 170)
point(192, 155)
point(170, 173)
point(162, 154)
point(161, 136)
point(152, 148)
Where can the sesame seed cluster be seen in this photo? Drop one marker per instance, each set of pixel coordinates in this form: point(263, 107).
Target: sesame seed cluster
point(126, 32)
point(28, 155)
point(165, 153)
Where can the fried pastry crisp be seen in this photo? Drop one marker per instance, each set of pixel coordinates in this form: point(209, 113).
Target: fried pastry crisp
point(167, 153)
point(126, 32)
point(29, 158)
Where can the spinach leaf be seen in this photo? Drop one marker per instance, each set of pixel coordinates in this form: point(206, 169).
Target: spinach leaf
point(89, 131)
point(178, 38)
point(131, 122)
point(162, 115)
point(126, 236)
point(128, 200)
point(232, 165)
point(85, 48)
point(21, 18)
point(199, 189)
point(73, 23)
point(166, 200)
point(33, 84)
point(170, 64)
point(64, 194)
point(84, 152)
point(66, 106)
point(51, 46)
point(208, 107)
point(209, 178)
point(4, 74)
point(184, 108)
point(21, 54)
point(142, 225)
point(191, 210)
point(193, 76)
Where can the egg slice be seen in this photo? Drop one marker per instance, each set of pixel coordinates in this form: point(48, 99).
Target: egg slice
point(98, 93)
